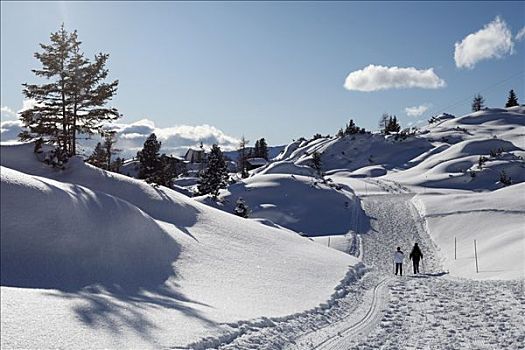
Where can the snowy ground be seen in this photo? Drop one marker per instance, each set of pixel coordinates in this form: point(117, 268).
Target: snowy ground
point(220, 281)
point(430, 310)
point(92, 259)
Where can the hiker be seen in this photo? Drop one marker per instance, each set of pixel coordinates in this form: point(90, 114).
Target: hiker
point(415, 256)
point(398, 260)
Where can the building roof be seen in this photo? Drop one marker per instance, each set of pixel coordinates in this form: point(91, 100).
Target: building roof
point(257, 161)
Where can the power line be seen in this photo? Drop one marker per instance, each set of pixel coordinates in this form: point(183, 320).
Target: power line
point(490, 87)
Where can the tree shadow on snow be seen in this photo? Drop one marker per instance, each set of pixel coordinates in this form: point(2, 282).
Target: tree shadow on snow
point(112, 258)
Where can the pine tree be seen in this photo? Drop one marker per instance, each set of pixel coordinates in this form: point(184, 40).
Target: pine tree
point(242, 157)
point(99, 158)
point(383, 122)
point(73, 98)
point(241, 209)
point(391, 125)
point(89, 94)
point(116, 165)
point(149, 158)
point(166, 171)
point(352, 128)
point(512, 100)
point(478, 103)
point(47, 120)
point(256, 149)
point(316, 162)
point(263, 149)
point(395, 127)
point(110, 139)
point(215, 176)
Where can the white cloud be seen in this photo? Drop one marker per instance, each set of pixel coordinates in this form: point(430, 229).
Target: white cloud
point(493, 41)
point(416, 111)
point(521, 34)
point(417, 122)
point(130, 137)
point(28, 103)
point(175, 140)
point(7, 112)
point(9, 130)
point(373, 78)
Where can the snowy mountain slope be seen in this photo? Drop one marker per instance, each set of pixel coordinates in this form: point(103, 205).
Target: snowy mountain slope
point(441, 162)
point(494, 219)
point(273, 151)
point(497, 135)
point(303, 204)
point(451, 139)
point(98, 289)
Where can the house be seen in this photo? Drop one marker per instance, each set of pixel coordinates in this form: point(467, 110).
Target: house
point(194, 155)
point(254, 163)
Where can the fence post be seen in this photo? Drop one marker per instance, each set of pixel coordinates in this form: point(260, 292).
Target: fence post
point(328, 240)
point(476, 255)
point(455, 249)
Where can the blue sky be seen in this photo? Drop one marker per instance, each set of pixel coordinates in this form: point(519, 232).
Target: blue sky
point(270, 69)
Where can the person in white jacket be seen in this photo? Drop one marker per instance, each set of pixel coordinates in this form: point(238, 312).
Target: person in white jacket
point(398, 260)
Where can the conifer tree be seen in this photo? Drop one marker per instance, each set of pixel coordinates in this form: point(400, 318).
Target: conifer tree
point(166, 172)
point(512, 100)
point(242, 157)
point(116, 165)
point(109, 142)
point(215, 176)
point(99, 157)
point(257, 149)
point(149, 158)
point(47, 120)
point(316, 162)
point(478, 103)
point(241, 209)
point(263, 149)
point(394, 126)
point(383, 122)
point(73, 98)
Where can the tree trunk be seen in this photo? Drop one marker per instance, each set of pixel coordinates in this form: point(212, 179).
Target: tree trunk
point(74, 129)
point(64, 121)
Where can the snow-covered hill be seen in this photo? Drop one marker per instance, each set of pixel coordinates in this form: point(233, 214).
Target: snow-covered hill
point(449, 163)
point(103, 254)
point(442, 154)
point(304, 204)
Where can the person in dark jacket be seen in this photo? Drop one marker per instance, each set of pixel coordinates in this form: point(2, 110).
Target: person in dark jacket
point(415, 256)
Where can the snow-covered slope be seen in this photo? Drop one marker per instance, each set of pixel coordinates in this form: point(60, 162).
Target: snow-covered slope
point(101, 259)
point(448, 148)
point(496, 220)
point(441, 162)
point(304, 204)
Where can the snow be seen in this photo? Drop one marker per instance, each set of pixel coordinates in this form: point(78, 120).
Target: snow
point(493, 219)
point(457, 198)
point(303, 204)
point(129, 265)
point(73, 240)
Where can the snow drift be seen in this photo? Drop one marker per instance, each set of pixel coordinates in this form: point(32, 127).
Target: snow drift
point(124, 264)
point(65, 236)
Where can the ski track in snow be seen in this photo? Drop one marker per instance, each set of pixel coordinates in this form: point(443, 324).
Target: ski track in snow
point(430, 310)
point(383, 311)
